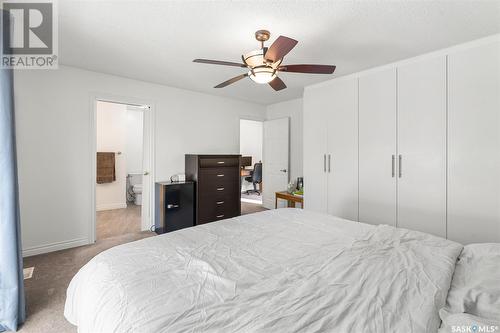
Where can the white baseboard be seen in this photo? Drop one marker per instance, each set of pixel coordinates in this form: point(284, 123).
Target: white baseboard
point(119, 205)
point(31, 251)
point(254, 201)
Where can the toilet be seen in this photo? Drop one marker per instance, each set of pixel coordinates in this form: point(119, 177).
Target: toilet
point(137, 189)
point(135, 186)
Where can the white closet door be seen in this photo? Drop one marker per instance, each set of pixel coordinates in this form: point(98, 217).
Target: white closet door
point(422, 146)
point(377, 147)
point(316, 103)
point(474, 144)
point(342, 156)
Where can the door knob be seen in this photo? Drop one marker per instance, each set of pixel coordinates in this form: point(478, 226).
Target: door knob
point(146, 173)
point(283, 170)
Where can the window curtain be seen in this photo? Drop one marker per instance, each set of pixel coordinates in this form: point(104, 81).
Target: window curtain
point(12, 304)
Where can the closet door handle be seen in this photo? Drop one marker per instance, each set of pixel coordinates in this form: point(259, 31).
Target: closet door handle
point(393, 173)
point(324, 162)
point(400, 166)
point(329, 163)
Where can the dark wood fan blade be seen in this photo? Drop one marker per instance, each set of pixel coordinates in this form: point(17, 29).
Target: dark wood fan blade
point(280, 48)
point(312, 69)
point(230, 81)
point(277, 84)
point(218, 62)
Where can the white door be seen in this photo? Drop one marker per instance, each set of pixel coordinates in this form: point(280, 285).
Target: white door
point(474, 144)
point(147, 181)
point(275, 161)
point(422, 146)
point(342, 159)
point(316, 106)
point(377, 147)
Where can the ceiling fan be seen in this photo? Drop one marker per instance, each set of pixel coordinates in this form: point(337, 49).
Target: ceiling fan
point(263, 64)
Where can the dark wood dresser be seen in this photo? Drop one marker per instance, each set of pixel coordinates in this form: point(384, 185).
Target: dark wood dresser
point(217, 180)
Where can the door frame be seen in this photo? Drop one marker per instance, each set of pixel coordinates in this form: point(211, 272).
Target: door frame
point(250, 118)
point(149, 121)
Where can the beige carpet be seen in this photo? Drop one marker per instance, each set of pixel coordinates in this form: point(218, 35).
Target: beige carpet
point(46, 290)
point(248, 208)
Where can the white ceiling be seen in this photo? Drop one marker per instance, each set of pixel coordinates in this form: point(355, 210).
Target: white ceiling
point(156, 41)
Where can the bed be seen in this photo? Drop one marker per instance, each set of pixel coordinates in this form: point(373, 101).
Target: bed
point(285, 270)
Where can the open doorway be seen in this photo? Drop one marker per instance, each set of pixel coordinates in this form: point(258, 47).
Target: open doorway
point(122, 156)
point(252, 187)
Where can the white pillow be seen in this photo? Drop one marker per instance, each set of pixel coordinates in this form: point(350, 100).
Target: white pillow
point(475, 287)
point(463, 322)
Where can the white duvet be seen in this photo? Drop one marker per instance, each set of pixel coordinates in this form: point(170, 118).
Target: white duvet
point(286, 270)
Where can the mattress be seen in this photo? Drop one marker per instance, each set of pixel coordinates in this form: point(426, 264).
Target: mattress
point(285, 270)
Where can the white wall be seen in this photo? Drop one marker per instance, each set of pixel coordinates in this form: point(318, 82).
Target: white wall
point(251, 143)
point(134, 147)
point(251, 139)
point(292, 109)
point(111, 126)
point(53, 121)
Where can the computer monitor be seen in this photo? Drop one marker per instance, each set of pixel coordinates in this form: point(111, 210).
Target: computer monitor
point(246, 161)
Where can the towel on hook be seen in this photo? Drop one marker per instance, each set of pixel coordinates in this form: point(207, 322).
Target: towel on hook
point(106, 172)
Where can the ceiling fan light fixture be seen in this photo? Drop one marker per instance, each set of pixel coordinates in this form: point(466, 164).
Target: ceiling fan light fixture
point(263, 64)
point(262, 75)
point(254, 58)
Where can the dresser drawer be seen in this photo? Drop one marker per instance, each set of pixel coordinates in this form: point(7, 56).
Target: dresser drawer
point(213, 162)
point(219, 182)
point(213, 208)
point(219, 173)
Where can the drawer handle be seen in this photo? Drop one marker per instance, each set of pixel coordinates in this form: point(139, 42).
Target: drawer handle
point(220, 202)
point(220, 162)
point(220, 189)
point(219, 216)
point(221, 175)
point(170, 206)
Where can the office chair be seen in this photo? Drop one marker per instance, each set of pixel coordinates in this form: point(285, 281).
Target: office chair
point(255, 178)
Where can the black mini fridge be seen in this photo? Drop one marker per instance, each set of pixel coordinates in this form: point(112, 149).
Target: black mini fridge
point(174, 206)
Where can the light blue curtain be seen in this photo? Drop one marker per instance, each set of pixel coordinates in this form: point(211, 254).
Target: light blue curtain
point(12, 304)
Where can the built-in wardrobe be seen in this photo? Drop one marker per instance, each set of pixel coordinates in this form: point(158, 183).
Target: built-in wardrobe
point(414, 144)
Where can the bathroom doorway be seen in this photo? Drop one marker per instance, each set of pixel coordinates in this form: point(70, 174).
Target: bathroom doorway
point(122, 182)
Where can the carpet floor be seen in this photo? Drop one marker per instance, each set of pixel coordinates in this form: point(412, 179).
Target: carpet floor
point(115, 222)
point(46, 290)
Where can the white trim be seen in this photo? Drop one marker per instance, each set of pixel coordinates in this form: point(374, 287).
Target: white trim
point(99, 96)
point(119, 205)
point(151, 114)
point(438, 53)
point(253, 118)
point(31, 251)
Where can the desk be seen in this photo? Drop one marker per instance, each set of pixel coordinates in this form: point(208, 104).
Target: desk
point(245, 172)
point(292, 199)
